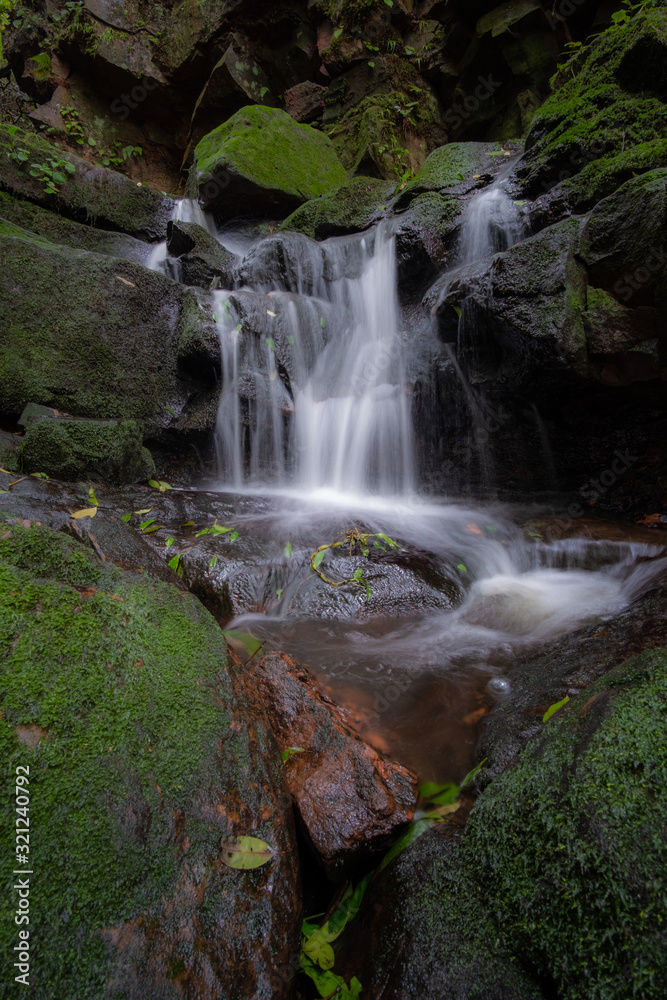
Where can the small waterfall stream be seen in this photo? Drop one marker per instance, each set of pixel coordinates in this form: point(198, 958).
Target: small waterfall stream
point(315, 428)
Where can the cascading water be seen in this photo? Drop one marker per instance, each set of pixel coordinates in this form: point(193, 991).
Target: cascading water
point(315, 397)
point(316, 417)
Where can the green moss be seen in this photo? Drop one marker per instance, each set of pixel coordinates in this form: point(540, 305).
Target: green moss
point(78, 449)
point(352, 208)
point(571, 841)
point(263, 150)
point(452, 165)
point(90, 193)
point(607, 122)
point(90, 335)
point(126, 677)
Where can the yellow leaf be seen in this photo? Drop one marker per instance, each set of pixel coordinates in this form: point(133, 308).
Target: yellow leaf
point(146, 510)
point(319, 950)
point(126, 282)
point(245, 852)
point(446, 810)
point(269, 313)
point(89, 512)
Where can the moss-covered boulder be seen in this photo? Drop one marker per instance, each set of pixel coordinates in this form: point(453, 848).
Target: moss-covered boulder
point(57, 229)
point(76, 448)
point(352, 208)
point(570, 843)
point(196, 257)
point(262, 161)
point(424, 931)
point(608, 121)
point(456, 165)
point(78, 189)
point(141, 751)
point(90, 335)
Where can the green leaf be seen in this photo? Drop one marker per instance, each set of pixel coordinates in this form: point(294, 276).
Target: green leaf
point(471, 775)
point(176, 563)
point(323, 322)
point(146, 524)
point(91, 142)
point(169, 410)
point(286, 754)
point(270, 344)
point(70, 168)
point(448, 794)
point(154, 527)
point(372, 65)
point(169, 542)
point(234, 535)
point(358, 573)
point(126, 517)
point(319, 950)
point(461, 567)
point(287, 551)
point(213, 562)
point(317, 559)
point(59, 177)
point(554, 708)
point(243, 642)
point(413, 831)
point(93, 498)
point(245, 852)
point(390, 541)
point(460, 177)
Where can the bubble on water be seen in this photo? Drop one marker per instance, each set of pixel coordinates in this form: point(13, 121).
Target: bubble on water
point(499, 687)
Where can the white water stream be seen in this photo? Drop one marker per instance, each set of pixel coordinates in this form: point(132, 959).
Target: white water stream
point(315, 413)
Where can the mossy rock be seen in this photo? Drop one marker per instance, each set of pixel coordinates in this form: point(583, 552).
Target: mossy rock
point(10, 452)
point(90, 193)
point(90, 335)
point(54, 228)
point(196, 257)
point(352, 208)
point(424, 931)
point(453, 166)
point(570, 843)
point(264, 162)
point(623, 241)
point(74, 449)
point(606, 123)
point(143, 752)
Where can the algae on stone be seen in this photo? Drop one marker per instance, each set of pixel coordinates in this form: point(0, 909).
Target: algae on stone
point(116, 694)
point(352, 208)
point(261, 160)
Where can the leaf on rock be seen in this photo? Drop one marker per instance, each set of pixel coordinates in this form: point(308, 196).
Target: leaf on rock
point(245, 852)
point(554, 708)
point(89, 512)
point(126, 282)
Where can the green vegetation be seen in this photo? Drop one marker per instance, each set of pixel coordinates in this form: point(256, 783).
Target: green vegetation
point(356, 542)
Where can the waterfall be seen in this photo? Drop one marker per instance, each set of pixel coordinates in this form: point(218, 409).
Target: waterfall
point(491, 224)
point(314, 386)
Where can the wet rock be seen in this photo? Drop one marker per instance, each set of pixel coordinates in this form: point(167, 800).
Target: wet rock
point(356, 206)
point(149, 758)
point(458, 166)
point(577, 827)
point(74, 448)
point(91, 335)
point(622, 242)
point(201, 259)
point(580, 138)
point(305, 102)
point(567, 666)
point(424, 930)
point(262, 162)
point(426, 240)
point(349, 797)
point(89, 192)
point(57, 229)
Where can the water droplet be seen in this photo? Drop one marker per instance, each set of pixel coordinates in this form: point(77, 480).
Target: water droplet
point(499, 687)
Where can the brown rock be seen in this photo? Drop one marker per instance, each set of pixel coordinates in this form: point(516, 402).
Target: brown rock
point(305, 102)
point(350, 798)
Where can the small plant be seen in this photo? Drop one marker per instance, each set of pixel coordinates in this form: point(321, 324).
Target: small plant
point(52, 174)
point(356, 542)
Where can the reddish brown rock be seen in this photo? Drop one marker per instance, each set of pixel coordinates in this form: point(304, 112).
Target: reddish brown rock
point(350, 798)
point(305, 102)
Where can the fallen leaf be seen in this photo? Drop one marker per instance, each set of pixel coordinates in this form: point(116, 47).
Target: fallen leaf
point(649, 520)
point(473, 527)
point(15, 481)
point(554, 708)
point(474, 717)
point(89, 512)
point(446, 810)
point(269, 313)
point(126, 282)
point(245, 852)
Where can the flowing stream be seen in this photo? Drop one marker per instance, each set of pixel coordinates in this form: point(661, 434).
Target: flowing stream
point(315, 423)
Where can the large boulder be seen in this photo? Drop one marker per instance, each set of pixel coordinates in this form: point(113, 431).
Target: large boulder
point(34, 169)
point(90, 335)
point(608, 121)
point(142, 751)
point(262, 162)
point(355, 206)
point(570, 843)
